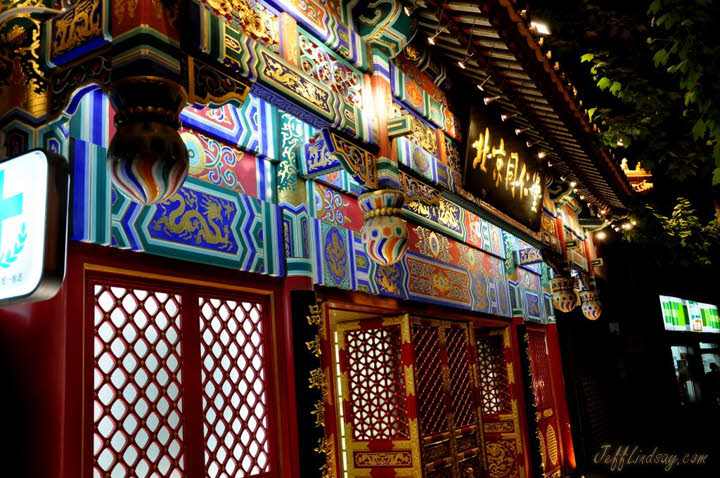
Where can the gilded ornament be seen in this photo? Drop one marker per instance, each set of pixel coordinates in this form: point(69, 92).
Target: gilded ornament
point(314, 346)
point(255, 20)
point(23, 84)
point(202, 220)
point(319, 413)
point(123, 7)
point(317, 379)
point(79, 24)
point(315, 316)
point(292, 81)
point(501, 458)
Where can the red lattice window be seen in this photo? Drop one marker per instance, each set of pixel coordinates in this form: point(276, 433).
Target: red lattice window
point(376, 383)
point(137, 383)
point(234, 388)
point(540, 368)
point(492, 374)
point(432, 405)
point(461, 386)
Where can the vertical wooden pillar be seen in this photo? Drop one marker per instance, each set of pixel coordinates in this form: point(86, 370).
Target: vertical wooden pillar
point(297, 451)
point(382, 101)
point(560, 232)
point(289, 39)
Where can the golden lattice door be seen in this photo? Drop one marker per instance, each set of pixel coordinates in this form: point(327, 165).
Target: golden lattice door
point(498, 404)
point(546, 416)
point(378, 429)
point(446, 399)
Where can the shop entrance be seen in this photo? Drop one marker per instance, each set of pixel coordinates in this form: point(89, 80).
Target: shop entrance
point(426, 397)
point(697, 368)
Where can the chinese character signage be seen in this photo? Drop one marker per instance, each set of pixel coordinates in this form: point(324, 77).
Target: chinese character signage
point(501, 171)
point(689, 316)
point(33, 226)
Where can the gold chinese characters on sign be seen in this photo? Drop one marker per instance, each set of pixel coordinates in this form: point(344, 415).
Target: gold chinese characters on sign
point(507, 170)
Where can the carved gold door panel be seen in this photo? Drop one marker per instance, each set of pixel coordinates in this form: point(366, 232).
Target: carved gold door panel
point(498, 404)
point(378, 432)
point(446, 399)
point(547, 424)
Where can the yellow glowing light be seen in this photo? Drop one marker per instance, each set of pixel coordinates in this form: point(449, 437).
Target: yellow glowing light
point(540, 28)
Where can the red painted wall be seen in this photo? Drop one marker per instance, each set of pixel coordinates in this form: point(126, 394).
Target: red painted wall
point(32, 368)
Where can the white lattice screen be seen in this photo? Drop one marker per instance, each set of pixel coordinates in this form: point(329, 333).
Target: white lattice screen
point(140, 417)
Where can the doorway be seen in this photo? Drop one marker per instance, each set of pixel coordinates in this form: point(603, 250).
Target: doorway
point(425, 397)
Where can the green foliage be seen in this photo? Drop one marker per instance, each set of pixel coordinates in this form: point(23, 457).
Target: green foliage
point(682, 236)
point(651, 72)
point(677, 96)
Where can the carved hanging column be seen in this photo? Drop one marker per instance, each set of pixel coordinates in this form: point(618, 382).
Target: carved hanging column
point(387, 30)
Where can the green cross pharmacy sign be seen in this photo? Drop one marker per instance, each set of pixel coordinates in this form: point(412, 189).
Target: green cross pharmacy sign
point(33, 226)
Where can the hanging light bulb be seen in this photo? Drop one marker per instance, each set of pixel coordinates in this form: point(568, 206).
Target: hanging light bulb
point(409, 9)
point(540, 28)
point(431, 40)
point(519, 131)
point(505, 117)
point(489, 99)
point(601, 236)
point(573, 184)
point(461, 64)
point(530, 144)
point(541, 155)
point(481, 86)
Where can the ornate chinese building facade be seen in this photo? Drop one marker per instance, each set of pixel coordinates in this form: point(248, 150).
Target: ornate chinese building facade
point(304, 239)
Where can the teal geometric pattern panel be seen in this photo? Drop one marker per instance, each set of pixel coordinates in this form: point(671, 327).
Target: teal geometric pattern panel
point(252, 127)
point(90, 197)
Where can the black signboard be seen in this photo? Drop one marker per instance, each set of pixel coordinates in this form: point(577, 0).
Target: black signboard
point(502, 171)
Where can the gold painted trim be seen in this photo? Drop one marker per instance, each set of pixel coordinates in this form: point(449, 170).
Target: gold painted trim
point(174, 279)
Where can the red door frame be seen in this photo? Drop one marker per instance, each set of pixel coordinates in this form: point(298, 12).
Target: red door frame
point(76, 424)
point(556, 374)
point(521, 383)
point(565, 444)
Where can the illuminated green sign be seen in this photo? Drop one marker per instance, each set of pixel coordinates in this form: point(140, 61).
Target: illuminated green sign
point(689, 316)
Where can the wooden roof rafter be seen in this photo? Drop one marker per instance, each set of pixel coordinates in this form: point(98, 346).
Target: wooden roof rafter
point(530, 87)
